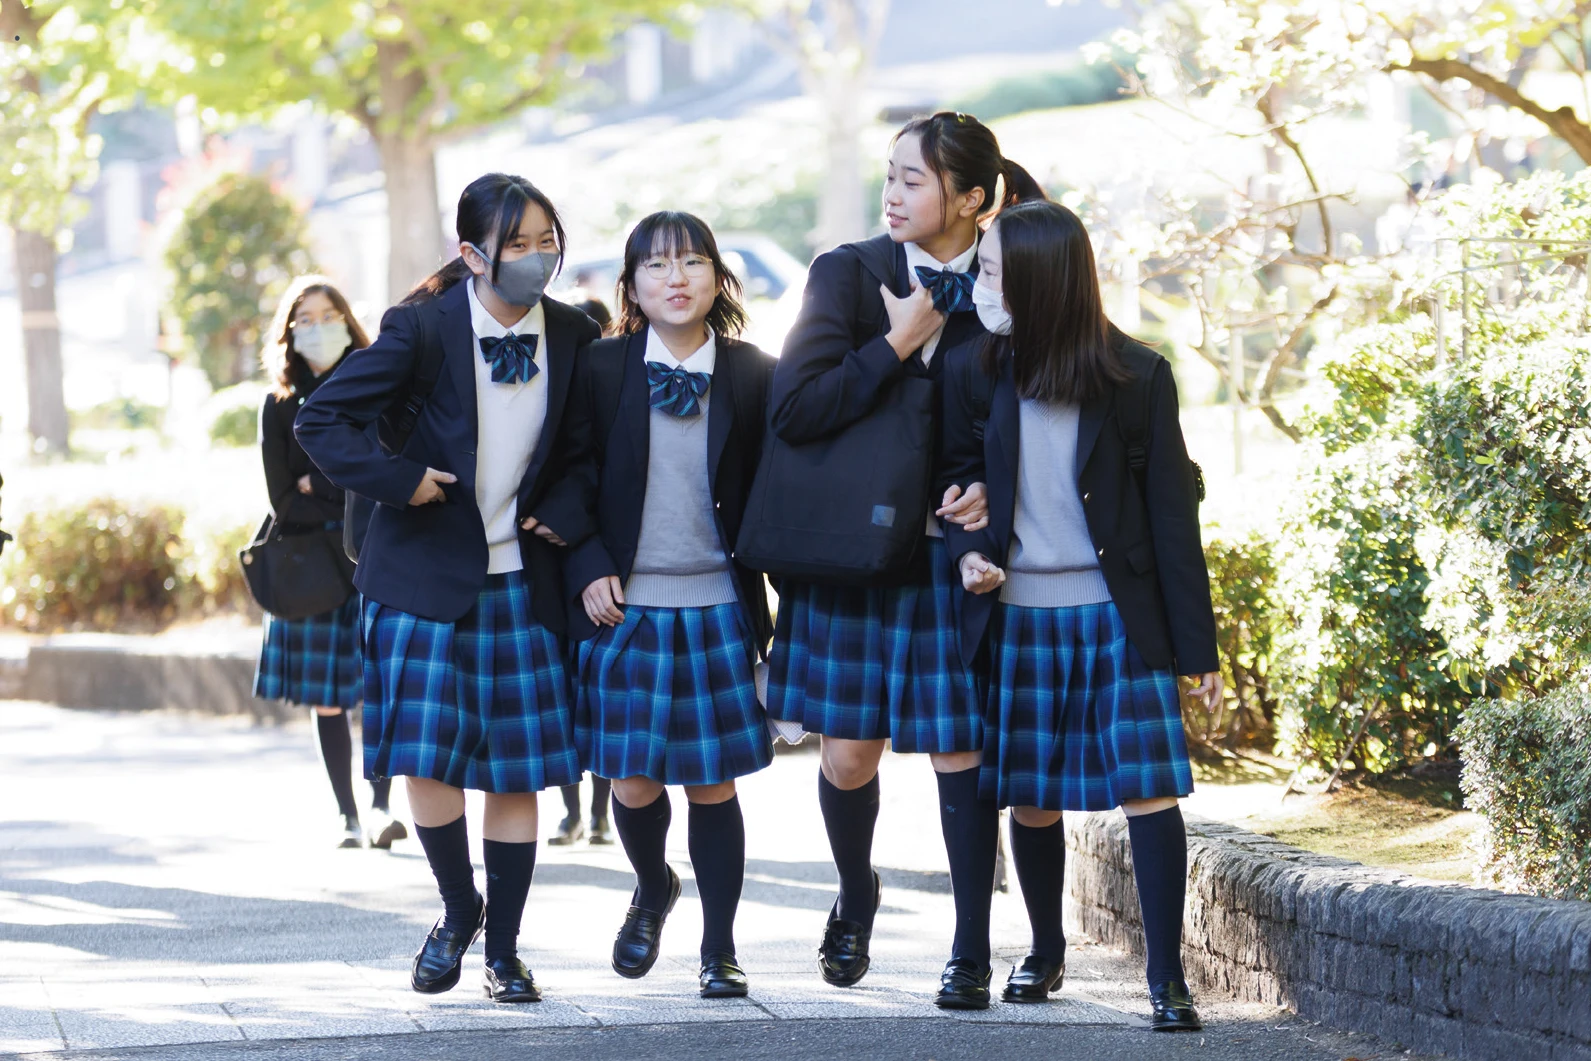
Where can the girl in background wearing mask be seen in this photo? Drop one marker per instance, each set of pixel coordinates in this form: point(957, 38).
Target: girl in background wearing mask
point(466, 684)
point(314, 662)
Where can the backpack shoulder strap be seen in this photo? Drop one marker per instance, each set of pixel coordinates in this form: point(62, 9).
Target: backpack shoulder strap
point(980, 390)
point(1131, 402)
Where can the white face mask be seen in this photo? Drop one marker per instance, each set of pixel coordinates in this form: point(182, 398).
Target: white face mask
point(991, 309)
point(321, 345)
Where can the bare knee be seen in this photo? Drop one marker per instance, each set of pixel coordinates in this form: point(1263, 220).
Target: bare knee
point(1035, 817)
point(636, 791)
point(955, 762)
point(1134, 808)
point(851, 764)
point(722, 792)
point(510, 817)
point(327, 712)
point(432, 803)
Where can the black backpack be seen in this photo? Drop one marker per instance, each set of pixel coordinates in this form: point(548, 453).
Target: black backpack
point(394, 426)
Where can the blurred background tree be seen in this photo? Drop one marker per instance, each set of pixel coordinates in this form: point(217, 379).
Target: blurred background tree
point(230, 258)
point(415, 73)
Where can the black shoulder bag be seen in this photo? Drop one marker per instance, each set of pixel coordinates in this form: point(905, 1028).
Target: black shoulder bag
point(848, 509)
point(295, 576)
point(393, 428)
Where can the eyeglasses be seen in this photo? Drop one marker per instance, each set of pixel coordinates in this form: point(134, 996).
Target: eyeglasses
point(304, 320)
point(693, 266)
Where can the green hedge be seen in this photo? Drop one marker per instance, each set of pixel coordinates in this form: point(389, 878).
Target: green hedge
point(1527, 773)
point(108, 565)
point(1243, 589)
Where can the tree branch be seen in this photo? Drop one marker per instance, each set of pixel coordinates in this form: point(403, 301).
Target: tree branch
point(1563, 122)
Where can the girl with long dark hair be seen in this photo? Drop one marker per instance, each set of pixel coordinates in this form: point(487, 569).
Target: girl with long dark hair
point(863, 666)
point(463, 621)
point(1088, 583)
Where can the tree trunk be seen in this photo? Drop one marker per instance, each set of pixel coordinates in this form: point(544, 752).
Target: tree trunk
point(841, 215)
point(41, 340)
point(414, 224)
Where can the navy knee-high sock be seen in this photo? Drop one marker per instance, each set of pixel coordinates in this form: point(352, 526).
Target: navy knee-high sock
point(447, 849)
point(718, 854)
point(644, 833)
point(337, 751)
point(571, 800)
point(600, 787)
point(381, 795)
point(972, 830)
point(1040, 857)
point(508, 871)
point(849, 816)
point(1160, 868)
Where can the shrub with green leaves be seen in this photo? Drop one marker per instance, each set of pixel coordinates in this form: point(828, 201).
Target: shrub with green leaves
point(234, 414)
point(238, 245)
point(1526, 772)
point(1242, 588)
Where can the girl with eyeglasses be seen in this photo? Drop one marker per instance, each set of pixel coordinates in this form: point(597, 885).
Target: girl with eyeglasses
point(863, 666)
point(314, 662)
point(664, 440)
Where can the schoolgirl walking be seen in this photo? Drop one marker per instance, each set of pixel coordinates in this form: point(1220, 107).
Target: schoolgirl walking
point(669, 421)
point(861, 664)
point(1088, 583)
point(466, 684)
point(314, 662)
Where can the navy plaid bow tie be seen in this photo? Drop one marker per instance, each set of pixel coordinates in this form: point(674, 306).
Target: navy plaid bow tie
point(512, 357)
point(951, 291)
point(676, 391)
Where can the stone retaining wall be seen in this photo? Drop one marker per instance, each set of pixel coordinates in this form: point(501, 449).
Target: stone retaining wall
point(1438, 968)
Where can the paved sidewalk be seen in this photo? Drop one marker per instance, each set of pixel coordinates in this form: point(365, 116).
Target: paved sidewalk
point(169, 880)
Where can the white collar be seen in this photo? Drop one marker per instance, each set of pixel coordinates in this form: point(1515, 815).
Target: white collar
point(486, 326)
point(962, 262)
point(703, 360)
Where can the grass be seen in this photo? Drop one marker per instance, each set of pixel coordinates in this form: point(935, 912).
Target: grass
point(1413, 822)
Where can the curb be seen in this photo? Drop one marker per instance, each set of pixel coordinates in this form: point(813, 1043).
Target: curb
point(1436, 967)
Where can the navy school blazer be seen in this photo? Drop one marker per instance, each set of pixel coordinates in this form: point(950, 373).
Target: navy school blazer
point(597, 507)
point(1148, 546)
point(430, 560)
point(836, 362)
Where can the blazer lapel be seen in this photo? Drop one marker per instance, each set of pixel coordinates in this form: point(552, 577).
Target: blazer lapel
point(1091, 419)
point(1003, 447)
point(635, 406)
point(720, 406)
point(458, 354)
point(557, 356)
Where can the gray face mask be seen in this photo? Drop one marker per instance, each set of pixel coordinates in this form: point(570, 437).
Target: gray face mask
point(521, 281)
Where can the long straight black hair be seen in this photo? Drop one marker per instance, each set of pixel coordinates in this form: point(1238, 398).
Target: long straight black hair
point(1064, 345)
point(489, 214)
point(962, 150)
point(673, 232)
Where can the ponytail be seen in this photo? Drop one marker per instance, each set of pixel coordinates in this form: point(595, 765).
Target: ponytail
point(1020, 187)
point(437, 282)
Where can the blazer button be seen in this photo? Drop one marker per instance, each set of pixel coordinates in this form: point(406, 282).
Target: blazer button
point(718, 504)
point(1101, 554)
point(1086, 497)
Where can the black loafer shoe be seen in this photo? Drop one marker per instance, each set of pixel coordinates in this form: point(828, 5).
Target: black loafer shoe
point(722, 978)
point(601, 833)
point(507, 980)
point(635, 950)
point(963, 985)
point(569, 830)
point(1035, 980)
point(842, 957)
point(1173, 1008)
point(441, 957)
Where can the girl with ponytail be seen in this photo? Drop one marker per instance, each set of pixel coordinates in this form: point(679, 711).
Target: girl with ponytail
point(866, 665)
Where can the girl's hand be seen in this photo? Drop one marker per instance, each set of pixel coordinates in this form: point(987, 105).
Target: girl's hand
point(970, 510)
point(304, 485)
point(1209, 690)
point(912, 320)
point(603, 600)
point(979, 574)
point(543, 531)
point(430, 488)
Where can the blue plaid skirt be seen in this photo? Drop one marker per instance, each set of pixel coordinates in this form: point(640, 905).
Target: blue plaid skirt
point(313, 662)
point(865, 664)
point(668, 694)
point(483, 703)
point(1077, 720)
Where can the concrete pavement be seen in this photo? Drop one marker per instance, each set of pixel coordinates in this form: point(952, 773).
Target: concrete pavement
point(169, 889)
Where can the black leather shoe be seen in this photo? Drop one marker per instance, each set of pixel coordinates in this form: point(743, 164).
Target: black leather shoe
point(437, 966)
point(601, 832)
point(635, 950)
point(569, 830)
point(1173, 1008)
point(1035, 980)
point(842, 957)
point(507, 980)
point(963, 985)
point(722, 978)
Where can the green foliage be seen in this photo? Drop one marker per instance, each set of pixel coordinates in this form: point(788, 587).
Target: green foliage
point(238, 245)
point(1527, 773)
point(1075, 84)
point(234, 414)
point(106, 565)
point(118, 414)
point(1242, 587)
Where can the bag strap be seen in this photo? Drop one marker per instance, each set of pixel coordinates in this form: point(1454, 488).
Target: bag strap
point(980, 388)
point(1131, 403)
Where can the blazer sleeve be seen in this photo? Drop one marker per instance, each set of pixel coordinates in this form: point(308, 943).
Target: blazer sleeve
point(569, 505)
point(1174, 527)
point(281, 485)
point(586, 563)
point(823, 383)
point(961, 456)
point(331, 424)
